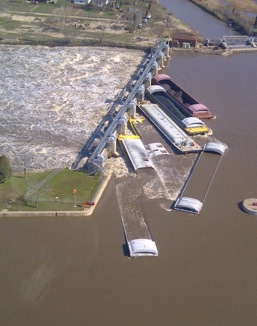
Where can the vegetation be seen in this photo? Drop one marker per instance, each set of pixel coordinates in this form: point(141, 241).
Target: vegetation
point(5, 169)
point(120, 23)
point(35, 192)
point(232, 12)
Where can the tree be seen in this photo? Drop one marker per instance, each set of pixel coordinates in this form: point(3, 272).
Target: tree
point(148, 11)
point(5, 169)
point(65, 25)
point(137, 18)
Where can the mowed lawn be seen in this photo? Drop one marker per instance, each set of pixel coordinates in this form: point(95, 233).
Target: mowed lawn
point(66, 190)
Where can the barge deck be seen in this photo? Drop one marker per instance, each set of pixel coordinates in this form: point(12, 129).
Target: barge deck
point(178, 94)
point(191, 198)
point(137, 153)
point(178, 138)
point(191, 125)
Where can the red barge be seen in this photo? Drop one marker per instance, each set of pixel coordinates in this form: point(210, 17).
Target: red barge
point(191, 105)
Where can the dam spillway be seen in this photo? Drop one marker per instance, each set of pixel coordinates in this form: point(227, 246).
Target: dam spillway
point(149, 65)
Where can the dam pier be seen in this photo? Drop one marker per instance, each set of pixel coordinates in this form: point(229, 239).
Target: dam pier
point(125, 102)
point(124, 111)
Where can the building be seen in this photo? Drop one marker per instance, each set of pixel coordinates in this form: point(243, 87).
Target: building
point(184, 40)
point(100, 3)
point(81, 2)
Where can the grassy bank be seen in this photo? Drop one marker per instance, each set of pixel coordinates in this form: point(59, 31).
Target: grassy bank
point(233, 13)
point(66, 24)
point(38, 192)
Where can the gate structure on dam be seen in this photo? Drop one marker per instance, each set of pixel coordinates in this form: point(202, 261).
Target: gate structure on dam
point(125, 101)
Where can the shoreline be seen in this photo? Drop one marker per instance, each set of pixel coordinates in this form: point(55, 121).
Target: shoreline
point(142, 39)
point(238, 21)
point(85, 43)
point(87, 211)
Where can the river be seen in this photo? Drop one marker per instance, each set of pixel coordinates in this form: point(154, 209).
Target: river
point(199, 20)
point(76, 271)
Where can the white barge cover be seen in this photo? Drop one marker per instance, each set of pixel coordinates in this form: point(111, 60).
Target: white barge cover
point(170, 129)
point(188, 204)
point(142, 247)
point(215, 147)
point(192, 122)
point(205, 160)
point(137, 153)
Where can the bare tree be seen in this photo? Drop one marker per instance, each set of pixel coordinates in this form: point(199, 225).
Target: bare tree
point(137, 18)
point(148, 11)
point(65, 21)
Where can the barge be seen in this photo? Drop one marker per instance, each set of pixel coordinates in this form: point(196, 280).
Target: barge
point(136, 151)
point(176, 111)
point(188, 203)
point(191, 105)
point(176, 136)
point(142, 247)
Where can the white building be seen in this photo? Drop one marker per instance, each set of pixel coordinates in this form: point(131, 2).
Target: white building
point(100, 3)
point(82, 2)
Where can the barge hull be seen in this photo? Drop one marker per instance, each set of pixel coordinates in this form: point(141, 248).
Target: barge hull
point(178, 94)
point(178, 138)
point(175, 111)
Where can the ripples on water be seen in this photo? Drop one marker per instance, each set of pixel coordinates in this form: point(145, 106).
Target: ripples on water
point(51, 99)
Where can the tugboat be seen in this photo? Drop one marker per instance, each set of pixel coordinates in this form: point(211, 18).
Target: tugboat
point(176, 111)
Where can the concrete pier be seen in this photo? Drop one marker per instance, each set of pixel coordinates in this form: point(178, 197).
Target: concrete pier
point(149, 66)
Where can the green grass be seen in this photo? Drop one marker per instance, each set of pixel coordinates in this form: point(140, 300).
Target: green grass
point(10, 24)
point(56, 194)
point(44, 8)
point(83, 14)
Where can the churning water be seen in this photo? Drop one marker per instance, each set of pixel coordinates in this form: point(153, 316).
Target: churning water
point(51, 99)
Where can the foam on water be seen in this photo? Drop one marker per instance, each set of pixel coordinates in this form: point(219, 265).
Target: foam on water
point(131, 214)
point(52, 99)
point(171, 173)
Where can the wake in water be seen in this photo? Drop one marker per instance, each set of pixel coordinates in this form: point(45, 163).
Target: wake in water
point(132, 217)
point(171, 173)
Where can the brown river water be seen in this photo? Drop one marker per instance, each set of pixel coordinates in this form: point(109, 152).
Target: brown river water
point(76, 271)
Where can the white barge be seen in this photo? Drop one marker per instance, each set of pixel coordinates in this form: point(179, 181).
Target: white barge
point(142, 247)
point(170, 129)
point(137, 153)
point(205, 159)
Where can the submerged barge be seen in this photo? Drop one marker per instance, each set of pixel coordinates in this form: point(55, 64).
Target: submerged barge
point(208, 161)
point(176, 111)
point(190, 104)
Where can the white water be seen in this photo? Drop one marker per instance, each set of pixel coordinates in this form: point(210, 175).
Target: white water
point(51, 99)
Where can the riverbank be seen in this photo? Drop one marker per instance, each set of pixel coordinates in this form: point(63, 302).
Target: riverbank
point(54, 25)
point(61, 43)
point(240, 15)
point(213, 50)
point(87, 211)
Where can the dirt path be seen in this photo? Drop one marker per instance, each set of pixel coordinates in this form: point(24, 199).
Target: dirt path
point(76, 27)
